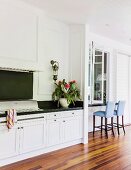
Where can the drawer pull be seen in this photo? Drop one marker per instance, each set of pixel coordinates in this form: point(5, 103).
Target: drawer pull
point(55, 120)
point(73, 113)
point(63, 120)
point(54, 115)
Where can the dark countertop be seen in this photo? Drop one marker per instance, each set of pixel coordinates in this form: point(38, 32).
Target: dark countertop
point(50, 106)
point(49, 110)
point(94, 105)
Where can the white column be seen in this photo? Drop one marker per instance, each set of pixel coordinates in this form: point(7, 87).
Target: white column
point(85, 139)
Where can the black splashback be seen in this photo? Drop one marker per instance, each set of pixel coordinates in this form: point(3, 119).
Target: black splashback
point(16, 85)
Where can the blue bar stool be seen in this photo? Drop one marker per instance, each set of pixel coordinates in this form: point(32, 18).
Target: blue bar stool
point(119, 112)
point(109, 113)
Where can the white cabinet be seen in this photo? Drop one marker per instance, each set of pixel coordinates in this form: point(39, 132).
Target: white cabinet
point(68, 127)
point(53, 132)
point(32, 135)
point(40, 135)
point(72, 128)
point(8, 142)
point(17, 41)
point(27, 136)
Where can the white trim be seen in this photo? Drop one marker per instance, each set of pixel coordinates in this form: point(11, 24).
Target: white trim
point(94, 48)
point(86, 59)
point(108, 77)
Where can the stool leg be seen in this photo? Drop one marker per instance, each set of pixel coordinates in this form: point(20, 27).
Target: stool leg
point(106, 127)
point(112, 126)
point(93, 125)
point(118, 125)
point(101, 124)
point(123, 124)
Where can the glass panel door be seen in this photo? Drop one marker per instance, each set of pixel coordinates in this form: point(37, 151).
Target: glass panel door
point(98, 76)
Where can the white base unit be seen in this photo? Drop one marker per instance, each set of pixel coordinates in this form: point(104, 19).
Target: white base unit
point(72, 128)
point(32, 135)
point(9, 140)
point(53, 132)
point(36, 136)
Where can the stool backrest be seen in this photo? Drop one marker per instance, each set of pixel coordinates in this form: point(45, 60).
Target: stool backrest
point(120, 108)
point(110, 109)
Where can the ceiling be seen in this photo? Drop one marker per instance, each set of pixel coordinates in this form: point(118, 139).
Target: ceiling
point(110, 18)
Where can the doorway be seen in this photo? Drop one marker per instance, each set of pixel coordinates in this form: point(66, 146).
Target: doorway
point(123, 82)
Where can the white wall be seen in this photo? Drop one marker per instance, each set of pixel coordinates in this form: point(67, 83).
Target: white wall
point(77, 54)
point(53, 45)
point(29, 40)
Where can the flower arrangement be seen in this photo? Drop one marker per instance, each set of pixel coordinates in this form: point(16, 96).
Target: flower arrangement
point(66, 90)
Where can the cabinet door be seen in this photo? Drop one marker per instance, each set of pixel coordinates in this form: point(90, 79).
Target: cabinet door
point(72, 128)
point(32, 136)
point(8, 142)
point(53, 132)
point(17, 41)
point(78, 127)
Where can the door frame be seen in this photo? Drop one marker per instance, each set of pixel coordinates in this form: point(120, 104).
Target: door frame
point(129, 79)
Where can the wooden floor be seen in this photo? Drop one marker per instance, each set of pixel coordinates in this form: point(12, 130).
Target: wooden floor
point(113, 153)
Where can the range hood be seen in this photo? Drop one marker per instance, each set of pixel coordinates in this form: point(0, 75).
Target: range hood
point(18, 69)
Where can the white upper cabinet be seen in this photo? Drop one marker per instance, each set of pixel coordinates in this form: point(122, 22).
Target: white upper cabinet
point(18, 33)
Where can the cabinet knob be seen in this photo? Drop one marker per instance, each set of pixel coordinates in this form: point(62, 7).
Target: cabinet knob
point(63, 120)
point(22, 127)
point(18, 127)
point(55, 120)
point(73, 113)
point(54, 115)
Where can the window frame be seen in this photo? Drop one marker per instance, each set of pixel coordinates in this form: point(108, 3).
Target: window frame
point(92, 63)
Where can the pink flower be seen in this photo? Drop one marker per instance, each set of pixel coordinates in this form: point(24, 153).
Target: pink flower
point(67, 86)
point(74, 81)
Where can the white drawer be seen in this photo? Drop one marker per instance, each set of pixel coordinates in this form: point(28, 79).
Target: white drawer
point(72, 113)
point(32, 116)
point(53, 115)
point(30, 122)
